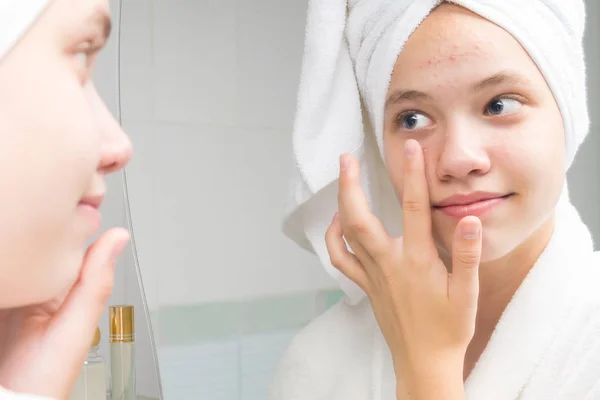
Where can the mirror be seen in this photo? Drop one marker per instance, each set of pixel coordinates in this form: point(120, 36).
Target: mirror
point(208, 96)
point(208, 91)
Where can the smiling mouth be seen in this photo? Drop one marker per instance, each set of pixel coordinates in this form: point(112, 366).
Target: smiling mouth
point(463, 207)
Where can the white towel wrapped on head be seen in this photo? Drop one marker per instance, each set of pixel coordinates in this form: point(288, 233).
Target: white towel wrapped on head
point(351, 48)
point(16, 16)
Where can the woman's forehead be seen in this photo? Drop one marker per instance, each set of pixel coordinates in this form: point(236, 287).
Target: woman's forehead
point(454, 38)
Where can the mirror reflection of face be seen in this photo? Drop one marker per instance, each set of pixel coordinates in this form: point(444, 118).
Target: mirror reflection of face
point(57, 143)
point(487, 121)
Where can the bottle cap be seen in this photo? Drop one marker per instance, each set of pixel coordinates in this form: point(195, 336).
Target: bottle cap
point(122, 324)
point(97, 337)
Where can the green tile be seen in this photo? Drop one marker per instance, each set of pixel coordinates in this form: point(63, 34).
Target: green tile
point(278, 313)
point(326, 299)
point(333, 297)
point(185, 325)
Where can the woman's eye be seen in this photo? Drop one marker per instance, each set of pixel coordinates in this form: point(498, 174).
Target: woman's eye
point(411, 121)
point(503, 106)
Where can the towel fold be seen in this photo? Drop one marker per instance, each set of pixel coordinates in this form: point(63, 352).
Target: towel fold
point(350, 51)
point(16, 16)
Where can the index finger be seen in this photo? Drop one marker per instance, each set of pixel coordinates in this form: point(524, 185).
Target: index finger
point(416, 209)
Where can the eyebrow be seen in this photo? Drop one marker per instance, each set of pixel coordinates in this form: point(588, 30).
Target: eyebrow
point(499, 78)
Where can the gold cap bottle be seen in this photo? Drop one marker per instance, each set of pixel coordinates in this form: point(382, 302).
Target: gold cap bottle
point(122, 353)
point(122, 324)
point(91, 381)
point(97, 337)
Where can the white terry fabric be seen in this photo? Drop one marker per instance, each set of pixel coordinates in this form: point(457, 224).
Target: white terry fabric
point(351, 47)
point(546, 345)
point(16, 16)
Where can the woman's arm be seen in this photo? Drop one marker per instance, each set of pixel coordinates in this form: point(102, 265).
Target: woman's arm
point(436, 382)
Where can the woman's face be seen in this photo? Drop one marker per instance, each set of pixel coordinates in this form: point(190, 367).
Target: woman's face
point(489, 127)
point(57, 142)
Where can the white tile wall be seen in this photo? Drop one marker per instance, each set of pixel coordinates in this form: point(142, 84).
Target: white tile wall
point(208, 98)
point(270, 36)
point(229, 369)
point(137, 71)
point(125, 289)
point(195, 57)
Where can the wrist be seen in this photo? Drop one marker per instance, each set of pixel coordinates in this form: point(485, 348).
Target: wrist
point(450, 390)
point(434, 380)
point(432, 387)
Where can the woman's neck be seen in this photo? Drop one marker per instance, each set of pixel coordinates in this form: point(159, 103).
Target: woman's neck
point(499, 280)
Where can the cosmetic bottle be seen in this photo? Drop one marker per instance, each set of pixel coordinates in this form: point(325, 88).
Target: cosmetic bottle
point(122, 353)
point(91, 382)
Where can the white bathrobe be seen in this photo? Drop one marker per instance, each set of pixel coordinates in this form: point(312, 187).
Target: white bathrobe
point(547, 343)
point(545, 346)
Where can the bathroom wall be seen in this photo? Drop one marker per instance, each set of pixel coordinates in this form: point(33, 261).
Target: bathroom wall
point(208, 90)
point(208, 99)
point(209, 105)
point(126, 289)
point(584, 177)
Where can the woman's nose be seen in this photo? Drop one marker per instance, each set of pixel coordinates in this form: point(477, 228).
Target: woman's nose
point(463, 154)
point(116, 147)
point(116, 151)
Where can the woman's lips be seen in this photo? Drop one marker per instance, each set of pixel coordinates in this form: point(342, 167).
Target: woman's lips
point(89, 207)
point(476, 208)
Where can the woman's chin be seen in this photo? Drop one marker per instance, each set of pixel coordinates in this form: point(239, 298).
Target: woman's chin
point(494, 246)
point(66, 274)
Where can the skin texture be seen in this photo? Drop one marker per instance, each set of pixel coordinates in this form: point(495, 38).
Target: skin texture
point(466, 98)
point(57, 143)
point(467, 148)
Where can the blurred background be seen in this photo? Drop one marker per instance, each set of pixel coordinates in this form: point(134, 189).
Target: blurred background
point(206, 89)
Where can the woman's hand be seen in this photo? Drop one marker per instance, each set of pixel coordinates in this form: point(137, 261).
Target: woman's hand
point(426, 314)
point(42, 347)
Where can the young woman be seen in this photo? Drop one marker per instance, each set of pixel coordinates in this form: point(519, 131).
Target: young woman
point(474, 112)
point(57, 143)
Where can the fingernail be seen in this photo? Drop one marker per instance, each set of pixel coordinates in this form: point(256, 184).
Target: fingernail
point(343, 162)
point(470, 232)
point(410, 149)
point(118, 249)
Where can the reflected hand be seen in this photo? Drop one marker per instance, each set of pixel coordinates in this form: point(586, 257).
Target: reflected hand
point(426, 314)
point(43, 347)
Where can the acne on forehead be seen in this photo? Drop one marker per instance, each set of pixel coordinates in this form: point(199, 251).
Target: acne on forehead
point(453, 54)
point(455, 47)
point(452, 33)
